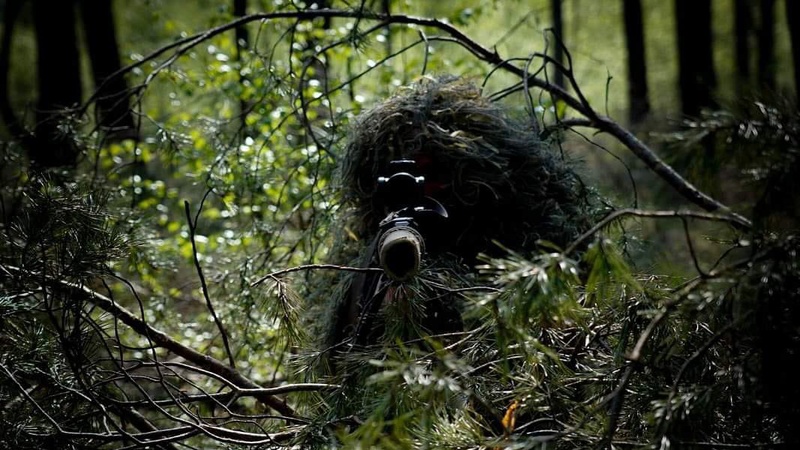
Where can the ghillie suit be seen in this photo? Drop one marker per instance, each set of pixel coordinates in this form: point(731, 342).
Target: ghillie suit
point(498, 184)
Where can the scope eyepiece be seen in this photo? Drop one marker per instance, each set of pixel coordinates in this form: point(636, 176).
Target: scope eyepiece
point(401, 188)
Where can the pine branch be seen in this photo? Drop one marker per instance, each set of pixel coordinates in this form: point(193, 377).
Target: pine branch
point(161, 339)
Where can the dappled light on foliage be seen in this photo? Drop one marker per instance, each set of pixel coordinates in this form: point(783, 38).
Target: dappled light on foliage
point(207, 277)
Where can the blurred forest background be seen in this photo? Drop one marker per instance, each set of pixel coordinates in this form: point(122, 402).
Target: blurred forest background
point(169, 200)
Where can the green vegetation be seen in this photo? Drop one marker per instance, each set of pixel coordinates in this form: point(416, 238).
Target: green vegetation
point(165, 291)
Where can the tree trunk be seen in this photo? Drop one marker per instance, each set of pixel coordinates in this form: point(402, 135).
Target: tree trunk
point(11, 11)
point(242, 37)
point(742, 29)
point(696, 76)
point(558, 49)
point(59, 82)
point(112, 106)
point(766, 45)
point(639, 102)
point(386, 8)
point(319, 65)
point(242, 43)
point(793, 19)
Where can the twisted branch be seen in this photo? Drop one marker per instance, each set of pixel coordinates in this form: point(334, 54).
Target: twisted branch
point(579, 104)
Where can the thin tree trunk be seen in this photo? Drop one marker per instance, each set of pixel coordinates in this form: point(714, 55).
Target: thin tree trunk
point(319, 66)
point(315, 69)
point(386, 8)
point(113, 106)
point(10, 13)
point(793, 19)
point(558, 50)
point(766, 44)
point(742, 29)
point(639, 102)
point(242, 36)
point(59, 81)
point(242, 43)
point(696, 77)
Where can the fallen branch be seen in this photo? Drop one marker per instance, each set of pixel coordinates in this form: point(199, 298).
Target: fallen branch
point(161, 339)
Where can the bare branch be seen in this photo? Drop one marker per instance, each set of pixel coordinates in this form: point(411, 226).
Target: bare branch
point(203, 284)
point(732, 219)
point(161, 339)
point(314, 267)
point(579, 104)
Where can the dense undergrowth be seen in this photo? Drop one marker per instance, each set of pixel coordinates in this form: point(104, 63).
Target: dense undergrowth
point(162, 293)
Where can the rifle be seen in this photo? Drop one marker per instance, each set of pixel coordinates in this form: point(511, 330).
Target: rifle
point(409, 230)
point(411, 218)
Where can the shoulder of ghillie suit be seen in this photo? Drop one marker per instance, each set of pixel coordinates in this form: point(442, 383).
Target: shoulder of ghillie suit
point(496, 178)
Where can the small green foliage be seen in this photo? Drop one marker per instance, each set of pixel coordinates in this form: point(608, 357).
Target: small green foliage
point(169, 290)
point(541, 293)
point(608, 273)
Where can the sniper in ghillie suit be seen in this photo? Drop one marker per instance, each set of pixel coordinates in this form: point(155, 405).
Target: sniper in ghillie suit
point(432, 179)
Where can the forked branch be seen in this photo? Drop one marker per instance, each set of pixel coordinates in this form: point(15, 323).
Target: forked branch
point(491, 56)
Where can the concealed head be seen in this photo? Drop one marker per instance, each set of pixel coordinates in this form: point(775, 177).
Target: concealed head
point(492, 174)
